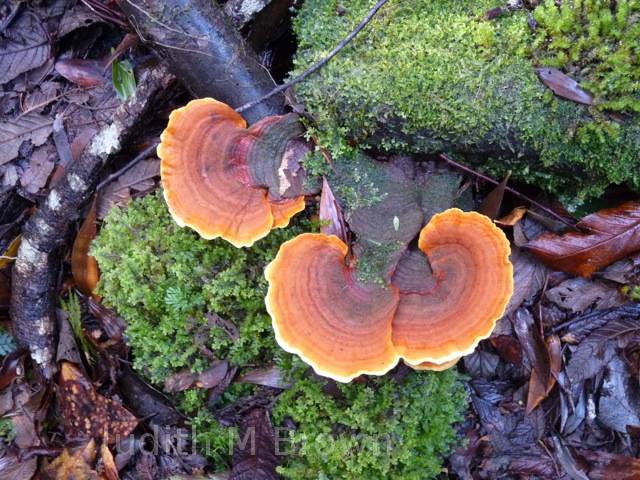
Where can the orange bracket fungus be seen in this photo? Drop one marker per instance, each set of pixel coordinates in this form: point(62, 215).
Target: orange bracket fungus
point(431, 314)
point(321, 312)
point(215, 176)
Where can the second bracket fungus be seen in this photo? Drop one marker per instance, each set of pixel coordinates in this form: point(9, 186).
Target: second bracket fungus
point(344, 328)
point(469, 257)
point(206, 155)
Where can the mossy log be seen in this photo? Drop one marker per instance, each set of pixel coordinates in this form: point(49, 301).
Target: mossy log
point(428, 76)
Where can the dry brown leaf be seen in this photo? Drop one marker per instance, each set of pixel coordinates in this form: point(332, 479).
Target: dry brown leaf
point(491, 204)
point(609, 235)
point(108, 470)
point(9, 255)
point(513, 217)
point(26, 46)
point(39, 170)
point(84, 267)
point(85, 73)
point(563, 85)
point(74, 465)
point(86, 413)
point(140, 178)
point(31, 126)
point(331, 214)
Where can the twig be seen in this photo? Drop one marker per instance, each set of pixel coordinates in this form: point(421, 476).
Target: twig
point(320, 63)
point(524, 197)
point(141, 156)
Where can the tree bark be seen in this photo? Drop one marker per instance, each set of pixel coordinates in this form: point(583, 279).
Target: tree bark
point(205, 52)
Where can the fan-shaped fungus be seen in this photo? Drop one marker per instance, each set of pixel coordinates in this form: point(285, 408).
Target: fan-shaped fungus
point(344, 328)
point(469, 257)
point(206, 178)
point(341, 327)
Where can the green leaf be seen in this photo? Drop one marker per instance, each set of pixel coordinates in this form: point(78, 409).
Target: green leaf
point(124, 81)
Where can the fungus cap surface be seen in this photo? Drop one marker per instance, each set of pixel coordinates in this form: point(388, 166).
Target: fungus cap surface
point(341, 327)
point(205, 177)
point(469, 257)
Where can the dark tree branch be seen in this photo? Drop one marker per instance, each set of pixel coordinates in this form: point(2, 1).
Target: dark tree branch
point(35, 271)
point(204, 51)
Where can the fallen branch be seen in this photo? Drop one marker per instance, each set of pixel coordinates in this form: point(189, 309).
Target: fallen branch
point(522, 196)
point(35, 271)
point(204, 51)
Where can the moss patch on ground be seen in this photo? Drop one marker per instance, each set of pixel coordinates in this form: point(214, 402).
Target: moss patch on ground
point(432, 75)
point(163, 280)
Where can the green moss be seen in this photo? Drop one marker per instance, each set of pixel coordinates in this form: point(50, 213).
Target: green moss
point(379, 430)
point(597, 42)
point(431, 75)
point(163, 280)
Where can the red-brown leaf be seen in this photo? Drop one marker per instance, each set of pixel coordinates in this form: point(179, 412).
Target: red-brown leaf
point(612, 234)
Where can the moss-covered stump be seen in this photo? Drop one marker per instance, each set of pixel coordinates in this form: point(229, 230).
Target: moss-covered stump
point(165, 280)
point(433, 75)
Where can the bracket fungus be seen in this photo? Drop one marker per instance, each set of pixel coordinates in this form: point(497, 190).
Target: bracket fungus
point(322, 313)
point(428, 316)
point(210, 176)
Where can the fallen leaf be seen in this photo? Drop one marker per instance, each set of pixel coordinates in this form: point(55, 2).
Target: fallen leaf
point(74, 465)
point(84, 267)
point(140, 178)
point(108, 470)
point(491, 204)
point(594, 352)
point(27, 46)
point(39, 170)
point(331, 214)
point(611, 234)
point(12, 467)
point(566, 460)
point(533, 345)
point(528, 279)
point(86, 413)
point(77, 17)
point(41, 96)
point(619, 401)
point(31, 126)
point(624, 271)
point(9, 255)
point(85, 73)
point(112, 324)
point(208, 379)
point(12, 366)
point(563, 85)
point(254, 457)
point(608, 466)
point(513, 217)
point(578, 294)
point(481, 363)
point(508, 348)
point(269, 377)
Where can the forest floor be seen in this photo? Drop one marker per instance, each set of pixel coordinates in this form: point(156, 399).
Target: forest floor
point(554, 391)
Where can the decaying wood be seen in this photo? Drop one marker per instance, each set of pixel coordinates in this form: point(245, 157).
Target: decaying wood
point(36, 267)
point(205, 52)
